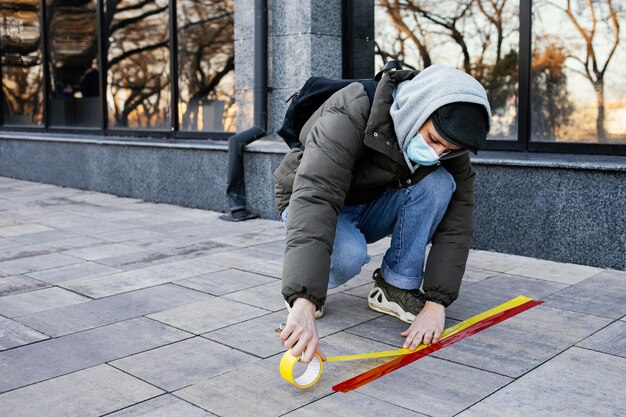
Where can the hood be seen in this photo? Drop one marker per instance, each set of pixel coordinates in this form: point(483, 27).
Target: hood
point(417, 99)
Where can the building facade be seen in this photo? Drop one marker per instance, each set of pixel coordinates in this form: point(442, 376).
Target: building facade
point(139, 97)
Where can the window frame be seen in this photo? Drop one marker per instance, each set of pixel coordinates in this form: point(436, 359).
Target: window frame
point(171, 132)
point(523, 142)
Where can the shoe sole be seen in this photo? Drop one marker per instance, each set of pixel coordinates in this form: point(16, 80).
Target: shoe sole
point(377, 301)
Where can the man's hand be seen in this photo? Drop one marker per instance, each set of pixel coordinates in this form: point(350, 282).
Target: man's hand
point(300, 332)
point(426, 327)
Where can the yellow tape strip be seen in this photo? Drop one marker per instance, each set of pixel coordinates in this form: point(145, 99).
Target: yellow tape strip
point(445, 334)
point(314, 371)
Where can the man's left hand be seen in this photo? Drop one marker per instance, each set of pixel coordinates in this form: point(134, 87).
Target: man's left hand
point(426, 327)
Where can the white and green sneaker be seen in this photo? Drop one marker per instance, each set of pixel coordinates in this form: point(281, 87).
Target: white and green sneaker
point(387, 299)
point(318, 313)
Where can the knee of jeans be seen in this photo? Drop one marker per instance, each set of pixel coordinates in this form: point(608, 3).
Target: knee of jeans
point(439, 185)
point(347, 262)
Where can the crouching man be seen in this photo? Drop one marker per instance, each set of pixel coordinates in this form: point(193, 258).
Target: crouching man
point(398, 167)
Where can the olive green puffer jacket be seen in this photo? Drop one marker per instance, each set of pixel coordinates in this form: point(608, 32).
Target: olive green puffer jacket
point(351, 155)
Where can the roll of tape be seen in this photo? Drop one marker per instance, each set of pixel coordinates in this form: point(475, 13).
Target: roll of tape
point(309, 377)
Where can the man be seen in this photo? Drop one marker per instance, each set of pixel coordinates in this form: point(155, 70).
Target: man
point(398, 167)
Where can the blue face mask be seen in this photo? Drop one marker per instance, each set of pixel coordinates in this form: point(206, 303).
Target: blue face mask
point(421, 152)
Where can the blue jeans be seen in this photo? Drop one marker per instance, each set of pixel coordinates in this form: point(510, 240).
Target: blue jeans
point(410, 215)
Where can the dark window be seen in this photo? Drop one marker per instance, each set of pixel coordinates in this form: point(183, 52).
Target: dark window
point(74, 98)
point(578, 92)
point(138, 59)
point(206, 57)
point(21, 62)
point(477, 36)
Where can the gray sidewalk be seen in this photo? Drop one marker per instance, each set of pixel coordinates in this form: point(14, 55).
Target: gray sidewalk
point(114, 306)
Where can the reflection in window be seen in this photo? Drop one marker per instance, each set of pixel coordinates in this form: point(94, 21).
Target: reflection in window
point(22, 76)
point(578, 73)
point(480, 37)
point(138, 79)
point(73, 51)
point(206, 56)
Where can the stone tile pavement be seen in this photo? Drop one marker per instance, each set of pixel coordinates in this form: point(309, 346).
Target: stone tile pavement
point(114, 306)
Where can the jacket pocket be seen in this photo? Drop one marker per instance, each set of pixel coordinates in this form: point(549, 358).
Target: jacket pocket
point(284, 177)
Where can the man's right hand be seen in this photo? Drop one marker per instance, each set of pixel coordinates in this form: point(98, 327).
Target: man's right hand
point(300, 332)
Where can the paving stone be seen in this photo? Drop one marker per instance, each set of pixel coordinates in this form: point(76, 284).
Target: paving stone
point(611, 339)
point(361, 291)
point(95, 226)
point(54, 357)
point(184, 363)
point(173, 226)
point(14, 285)
point(267, 296)
point(36, 301)
point(577, 383)
point(141, 278)
point(208, 315)
point(250, 238)
point(235, 260)
point(140, 259)
point(118, 236)
point(258, 388)
point(473, 275)
point(523, 342)
point(488, 293)
point(374, 263)
point(45, 236)
point(555, 271)
point(226, 281)
point(275, 249)
point(273, 268)
point(356, 404)
point(256, 336)
point(603, 295)
point(46, 248)
point(8, 243)
point(36, 263)
point(344, 311)
point(101, 252)
point(380, 247)
point(13, 334)
point(108, 310)
point(494, 261)
point(164, 406)
point(22, 229)
point(437, 387)
point(91, 392)
point(363, 278)
point(82, 270)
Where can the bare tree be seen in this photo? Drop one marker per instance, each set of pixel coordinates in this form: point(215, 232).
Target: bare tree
point(592, 67)
point(206, 56)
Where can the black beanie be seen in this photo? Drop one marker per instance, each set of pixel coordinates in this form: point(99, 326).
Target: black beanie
point(463, 124)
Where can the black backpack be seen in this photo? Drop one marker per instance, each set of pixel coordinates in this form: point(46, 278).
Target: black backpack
point(314, 92)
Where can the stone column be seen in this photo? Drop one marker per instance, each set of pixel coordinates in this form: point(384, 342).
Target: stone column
point(304, 41)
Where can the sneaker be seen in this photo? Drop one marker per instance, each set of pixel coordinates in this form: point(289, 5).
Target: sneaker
point(318, 313)
point(387, 299)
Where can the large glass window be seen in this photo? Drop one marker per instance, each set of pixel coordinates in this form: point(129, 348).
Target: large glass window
point(206, 57)
point(21, 62)
point(138, 55)
point(579, 78)
point(74, 98)
point(480, 37)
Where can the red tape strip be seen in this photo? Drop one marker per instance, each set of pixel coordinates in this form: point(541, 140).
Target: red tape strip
point(375, 373)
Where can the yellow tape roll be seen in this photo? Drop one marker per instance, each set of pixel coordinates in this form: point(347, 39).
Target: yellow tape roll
point(311, 375)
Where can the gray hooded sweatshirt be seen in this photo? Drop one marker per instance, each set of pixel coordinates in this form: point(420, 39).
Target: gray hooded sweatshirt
point(432, 88)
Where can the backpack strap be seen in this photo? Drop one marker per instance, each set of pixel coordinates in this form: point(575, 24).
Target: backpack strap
point(370, 88)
